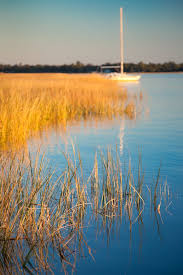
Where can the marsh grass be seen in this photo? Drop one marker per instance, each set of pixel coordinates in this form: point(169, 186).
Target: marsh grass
point(37, 209)
point(32, 102)
point(43, 210)
point(118, 193)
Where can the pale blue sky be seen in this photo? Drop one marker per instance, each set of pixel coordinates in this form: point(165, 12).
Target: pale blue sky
point(64, 31)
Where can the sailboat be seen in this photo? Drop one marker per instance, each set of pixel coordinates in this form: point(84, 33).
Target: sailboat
point(121, 76)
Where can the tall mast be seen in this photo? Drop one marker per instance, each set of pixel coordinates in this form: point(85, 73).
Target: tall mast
point(121, 38)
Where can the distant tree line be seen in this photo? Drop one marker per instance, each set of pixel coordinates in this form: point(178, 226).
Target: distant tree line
point(79, 67)
point(152, 67)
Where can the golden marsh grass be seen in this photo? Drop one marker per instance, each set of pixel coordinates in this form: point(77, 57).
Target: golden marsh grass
point(32, 102)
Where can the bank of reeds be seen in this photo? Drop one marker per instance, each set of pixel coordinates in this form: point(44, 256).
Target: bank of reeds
point(32, 102)
point(36, 209)
point(40, 208)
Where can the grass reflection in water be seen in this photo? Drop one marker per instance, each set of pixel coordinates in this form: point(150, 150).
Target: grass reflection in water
point(43, 212)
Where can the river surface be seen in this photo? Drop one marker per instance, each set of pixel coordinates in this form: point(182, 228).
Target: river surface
point(153, 246)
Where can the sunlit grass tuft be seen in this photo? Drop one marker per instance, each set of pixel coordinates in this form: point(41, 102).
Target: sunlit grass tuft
point(32, 102)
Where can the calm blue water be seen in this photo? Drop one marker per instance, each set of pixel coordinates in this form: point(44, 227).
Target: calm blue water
point(156, 246)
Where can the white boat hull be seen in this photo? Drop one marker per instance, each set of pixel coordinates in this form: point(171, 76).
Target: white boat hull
point(123, 77)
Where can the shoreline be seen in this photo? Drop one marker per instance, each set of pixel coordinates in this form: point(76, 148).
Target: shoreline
point(28, 73)
point(159, 73)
